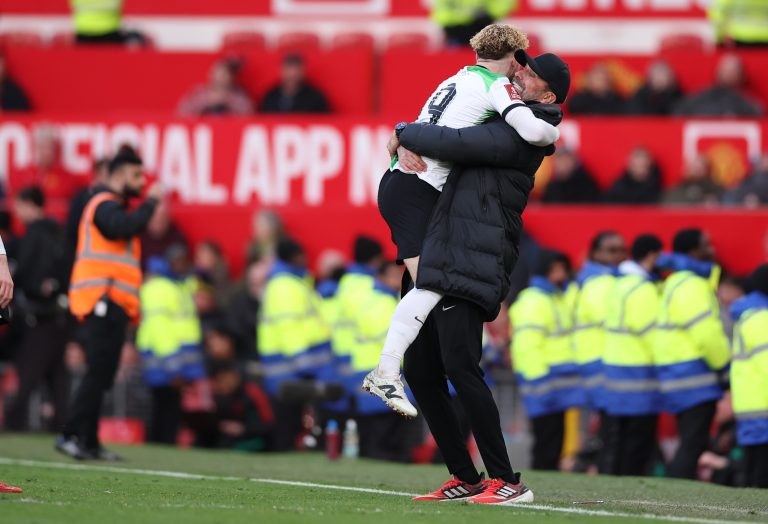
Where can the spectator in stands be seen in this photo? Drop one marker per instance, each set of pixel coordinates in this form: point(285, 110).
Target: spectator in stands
point(41, 279)
point(78, 202)
point(243, 309)
point(570, 182)
point(212, 266)
point(726, 98)
point(753, 190)
point(268, 230)
point(220, 96)
point(659, 94)
point(598, 95)
point(463, 19)
point(57, 183)
point(161, 234)
point(12, 97)
point(640, 183)
point(100, 22)
point(743, 23)
point(293, 94)
point(697, 186)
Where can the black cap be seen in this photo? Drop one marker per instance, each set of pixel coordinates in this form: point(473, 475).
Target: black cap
point(551, 69)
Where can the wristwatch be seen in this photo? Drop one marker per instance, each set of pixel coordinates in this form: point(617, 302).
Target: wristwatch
point(399, 128)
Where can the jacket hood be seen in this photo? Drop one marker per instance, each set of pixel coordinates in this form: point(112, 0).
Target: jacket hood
point(544, 285)
point(593, 269)
point(283, 267)
point(679, 262)
point(755, 300)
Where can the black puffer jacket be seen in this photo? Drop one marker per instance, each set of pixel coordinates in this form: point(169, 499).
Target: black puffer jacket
point(473, 238)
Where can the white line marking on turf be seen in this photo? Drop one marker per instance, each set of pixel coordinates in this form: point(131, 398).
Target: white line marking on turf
point(193, 476)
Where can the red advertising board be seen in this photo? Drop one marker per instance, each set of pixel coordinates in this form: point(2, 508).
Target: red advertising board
point(556, 8)
point(322, 174)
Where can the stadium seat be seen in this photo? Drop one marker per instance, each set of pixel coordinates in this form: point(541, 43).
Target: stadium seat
point(413, 41)
point(682, 42)
point(20, 38)
point(243, 41)
point(297, 42)
point(352, 41)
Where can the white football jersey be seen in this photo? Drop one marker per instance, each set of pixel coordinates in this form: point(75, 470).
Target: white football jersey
point(466, 99)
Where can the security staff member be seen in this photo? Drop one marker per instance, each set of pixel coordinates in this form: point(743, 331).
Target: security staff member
point(749, 377)
point(595, 280)
point(293, 337)
point(632, 397)
point(542, 355)
point(169, 339)
point(104, 293)
point(741, 22)
point(691, 351)
point(383, 433)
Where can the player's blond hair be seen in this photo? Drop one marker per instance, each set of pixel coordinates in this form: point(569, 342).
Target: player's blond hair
point(496, 41)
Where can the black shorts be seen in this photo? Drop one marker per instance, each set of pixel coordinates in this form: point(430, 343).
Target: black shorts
point(406, 203)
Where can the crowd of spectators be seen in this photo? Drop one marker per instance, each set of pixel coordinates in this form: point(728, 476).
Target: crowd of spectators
point(223, 94)
point(660, 94)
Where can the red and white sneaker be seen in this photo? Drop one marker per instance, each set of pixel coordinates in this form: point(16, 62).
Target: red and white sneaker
point(454, 489)
point(5, 488)
point(502, 493)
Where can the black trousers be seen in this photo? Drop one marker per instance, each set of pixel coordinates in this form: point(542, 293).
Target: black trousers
point(450, 346)
point(166, 415)
point(630, 445)
point(548, 433)
point(104, 337)
point(41, 361)
point(693, 425)
point(756, 460)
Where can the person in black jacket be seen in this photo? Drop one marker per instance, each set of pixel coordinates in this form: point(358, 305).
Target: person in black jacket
point(470, 249)
point(41, 281)
point(293, 94)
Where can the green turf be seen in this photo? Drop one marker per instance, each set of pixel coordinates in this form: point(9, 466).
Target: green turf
point(87, 496)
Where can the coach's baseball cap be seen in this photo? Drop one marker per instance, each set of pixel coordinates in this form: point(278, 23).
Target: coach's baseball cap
point(551, 69)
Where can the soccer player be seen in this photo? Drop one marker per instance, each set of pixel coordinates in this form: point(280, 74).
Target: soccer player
point(407, 197)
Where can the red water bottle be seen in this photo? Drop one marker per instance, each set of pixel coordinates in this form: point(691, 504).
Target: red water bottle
point(332, 440)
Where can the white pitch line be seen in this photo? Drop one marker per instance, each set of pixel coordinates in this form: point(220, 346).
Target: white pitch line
point(193, 476)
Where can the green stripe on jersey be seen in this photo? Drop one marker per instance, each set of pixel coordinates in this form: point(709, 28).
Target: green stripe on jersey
point(488, 77)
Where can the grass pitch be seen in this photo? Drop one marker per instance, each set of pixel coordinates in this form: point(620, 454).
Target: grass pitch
point(167, 485)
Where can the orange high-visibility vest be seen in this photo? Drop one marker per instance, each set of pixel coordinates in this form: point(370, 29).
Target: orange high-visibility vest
point(104, 268)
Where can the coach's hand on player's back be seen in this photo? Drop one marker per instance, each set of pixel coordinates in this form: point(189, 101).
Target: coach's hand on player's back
point(410, 161)
point(6, 282)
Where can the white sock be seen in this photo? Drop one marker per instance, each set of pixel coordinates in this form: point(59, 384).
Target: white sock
point(407, 320)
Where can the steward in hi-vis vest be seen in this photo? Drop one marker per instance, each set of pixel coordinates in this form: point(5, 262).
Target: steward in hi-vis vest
point(104, 293)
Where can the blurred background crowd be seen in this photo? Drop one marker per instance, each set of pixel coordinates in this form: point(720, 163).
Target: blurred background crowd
point(257, 347)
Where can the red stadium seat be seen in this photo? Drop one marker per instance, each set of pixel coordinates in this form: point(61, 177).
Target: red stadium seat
point(352, 41)
point(20, 38)
point(298, 42)
point(63, 39)
point(243, 41)
point(682, 42)
point(413, 41)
